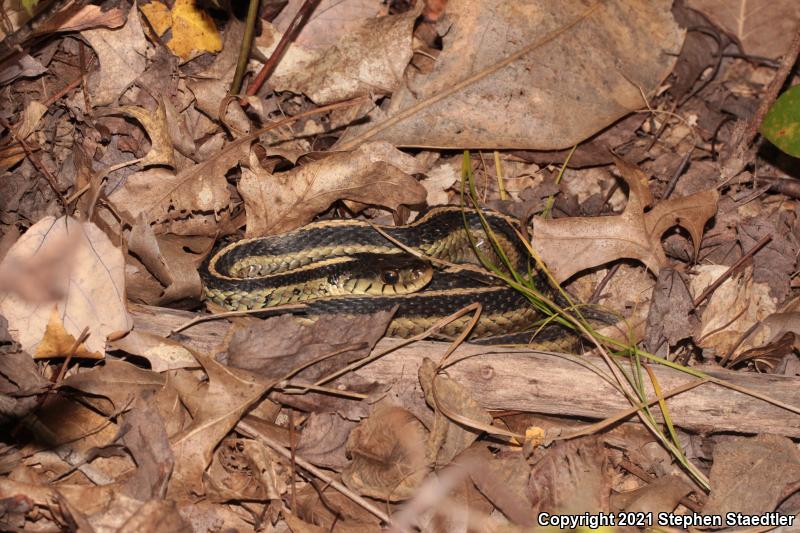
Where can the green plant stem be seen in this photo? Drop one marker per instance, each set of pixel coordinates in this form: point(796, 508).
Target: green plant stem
point(244, 50)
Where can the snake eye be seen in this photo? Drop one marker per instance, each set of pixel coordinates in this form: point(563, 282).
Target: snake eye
point(390, 276)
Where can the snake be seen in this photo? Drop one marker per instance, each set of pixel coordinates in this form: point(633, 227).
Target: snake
point(352, 267)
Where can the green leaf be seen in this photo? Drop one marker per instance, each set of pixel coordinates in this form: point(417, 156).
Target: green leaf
point(782, 123)
point(29, 5)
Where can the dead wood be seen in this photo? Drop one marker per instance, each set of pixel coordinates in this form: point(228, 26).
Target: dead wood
point(543, 382)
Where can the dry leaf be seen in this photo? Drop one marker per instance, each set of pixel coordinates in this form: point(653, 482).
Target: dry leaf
point(155, 123)
point(763, 27)
point(634, 234)
point(19, 65)
point(166, 259)
point(449, 438)
point(162, 353)
point(158, 15)
point(193, 31)
point(660, 496)
point(324, 439)
point(76, 17)
point(503, 480)
point(337, 514)
point(375, 173)
point(670, 318)
point(218, 405)
point(91, 279)
point(530, 60)
point(751, 474)
point(388, 451)
point(279, 346)
point(122, 59)
point(732, 310)
point(247, 470)
point(775, 338)
point(186, 203)
point(212, 84)
point(330, 21)
point(573, 477)
point(368, 60)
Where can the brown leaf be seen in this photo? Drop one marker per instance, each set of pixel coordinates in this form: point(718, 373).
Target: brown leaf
point(763, 27)
point(660, 496)
point(324, 439)
point(163, 353)
point(634, 234)
point(750, 474)
point(184, 203)
point(117, 381)
point(245, 469)
point(671, 318)
point(572, 477)
point(533, 66)
point(165, 257)
point(218, 405)
point(775, 337)
point(375, 173)
point(330, 21)
point(145, 437)
point(122, 55)
point(78, 17)
point(774, 263)
point(155, 123)
point(336, 513)
point(388, 451)
point(503, 480)
point(276, 346)
point(734, 307)
point(19, 65)
point(90, 278)
point(368, 60)
point(19, 382)
point(448, 438)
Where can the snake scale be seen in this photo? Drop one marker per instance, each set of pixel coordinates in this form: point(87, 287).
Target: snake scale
point(349, 267)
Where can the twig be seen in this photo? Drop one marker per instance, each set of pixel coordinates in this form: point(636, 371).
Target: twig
point(602, 285)
point(678, 173)
point(788, 61)
point(36, 162)
point(291, 34)
point(639, 472)
point(204, 318)
point(246, 428)
point(244, 50)
point(734, 267)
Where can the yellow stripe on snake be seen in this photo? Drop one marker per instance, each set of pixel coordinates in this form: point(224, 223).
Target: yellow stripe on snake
point(348, 267)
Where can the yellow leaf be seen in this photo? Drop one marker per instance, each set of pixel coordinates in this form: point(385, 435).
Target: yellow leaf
point(192, 30)
point(57, 342)
point(158, 15)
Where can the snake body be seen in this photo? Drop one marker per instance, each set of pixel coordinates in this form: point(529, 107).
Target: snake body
point(267, 271)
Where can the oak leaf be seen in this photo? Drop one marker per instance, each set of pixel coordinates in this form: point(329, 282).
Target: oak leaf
point(568, 245)
point(375, 173)
point(155, 123)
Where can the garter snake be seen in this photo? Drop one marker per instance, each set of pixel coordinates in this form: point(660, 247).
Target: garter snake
point(348, 267)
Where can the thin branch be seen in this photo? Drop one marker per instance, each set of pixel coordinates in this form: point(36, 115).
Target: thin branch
point(734, 267)
point(291, 34)
point(248, 429)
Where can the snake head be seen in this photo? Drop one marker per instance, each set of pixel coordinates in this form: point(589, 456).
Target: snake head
point(385, 274)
